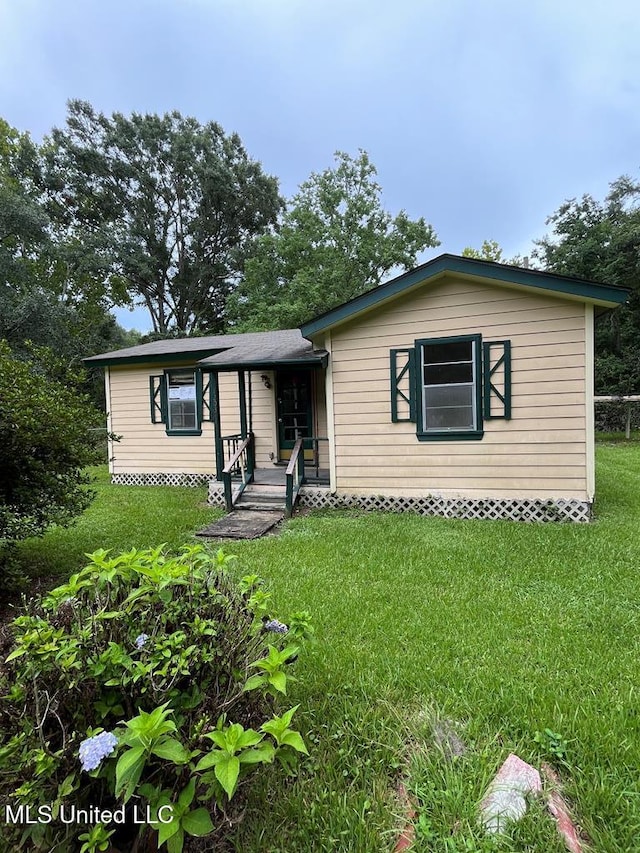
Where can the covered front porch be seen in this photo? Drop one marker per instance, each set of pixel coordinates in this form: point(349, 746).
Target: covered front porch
point(274, 437)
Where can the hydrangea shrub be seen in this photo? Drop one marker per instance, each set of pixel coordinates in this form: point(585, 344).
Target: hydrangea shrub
point(146, 685)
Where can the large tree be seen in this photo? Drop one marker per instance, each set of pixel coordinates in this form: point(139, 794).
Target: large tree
point(600, 240)
point(157, 210)
point(23, 222)
point(42, 301)
point(334, 242)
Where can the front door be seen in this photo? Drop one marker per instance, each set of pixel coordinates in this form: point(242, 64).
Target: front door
point(295, 410)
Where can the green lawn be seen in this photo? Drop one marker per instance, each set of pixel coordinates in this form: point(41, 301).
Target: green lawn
point(501, 629)
point(121, 517)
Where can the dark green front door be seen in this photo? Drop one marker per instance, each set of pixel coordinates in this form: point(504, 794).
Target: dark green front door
point(294, 410)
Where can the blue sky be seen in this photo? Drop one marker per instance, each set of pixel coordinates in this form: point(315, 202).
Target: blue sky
point(480, 115)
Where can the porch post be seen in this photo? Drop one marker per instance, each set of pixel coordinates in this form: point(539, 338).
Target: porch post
point(215, 414)
point(244, 428)
point(242, 391)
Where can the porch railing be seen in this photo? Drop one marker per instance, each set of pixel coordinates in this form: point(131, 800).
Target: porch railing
point(313, 443)
point(295, 475)
point(230, 444)
point(240, 468)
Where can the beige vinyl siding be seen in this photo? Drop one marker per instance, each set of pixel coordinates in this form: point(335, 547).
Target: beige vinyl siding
point(264, 419)
point(145, 447)
point(320, 417)
point(541, 452)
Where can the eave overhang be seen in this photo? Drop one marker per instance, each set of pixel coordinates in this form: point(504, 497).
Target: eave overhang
point(604, 295)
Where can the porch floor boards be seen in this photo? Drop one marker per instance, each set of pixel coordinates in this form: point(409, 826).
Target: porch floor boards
point(277, 476)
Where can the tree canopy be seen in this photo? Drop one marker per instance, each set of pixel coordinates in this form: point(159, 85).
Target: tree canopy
point(334, 241)
point(158, 210)
point(600, 240)
point(490, 251)
point(42, 299)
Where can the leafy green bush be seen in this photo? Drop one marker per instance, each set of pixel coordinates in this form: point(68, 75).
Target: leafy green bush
point(144, 686)
point(45, 445)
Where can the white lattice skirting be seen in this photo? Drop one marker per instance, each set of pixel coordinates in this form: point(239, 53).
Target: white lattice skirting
point(160, 479)
point(486, 508)
point(216, 494)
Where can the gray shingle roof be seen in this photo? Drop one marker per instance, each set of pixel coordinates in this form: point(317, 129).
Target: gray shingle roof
point(258, 349)
point(270, 348)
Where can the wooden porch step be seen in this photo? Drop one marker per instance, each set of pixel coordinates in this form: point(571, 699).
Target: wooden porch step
point(255, 506)
point(267, 498)
point(260, 501)
point(266, 489)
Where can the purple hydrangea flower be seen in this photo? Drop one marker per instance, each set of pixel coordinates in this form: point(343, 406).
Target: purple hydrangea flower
point(94, 749)
point(276, 627)
point(140, 640)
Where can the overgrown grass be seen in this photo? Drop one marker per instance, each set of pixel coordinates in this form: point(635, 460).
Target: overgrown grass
point(502, 629)
point(496, 629)
point(121, 517)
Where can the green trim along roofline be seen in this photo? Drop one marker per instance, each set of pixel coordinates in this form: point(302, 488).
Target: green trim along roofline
point(588, 291)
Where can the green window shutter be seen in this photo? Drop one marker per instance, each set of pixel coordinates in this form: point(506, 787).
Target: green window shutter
point(203, 396)
point(201, 406)
point(158, 399)
point(207, 397)
point(496, 364)
point(403, 393)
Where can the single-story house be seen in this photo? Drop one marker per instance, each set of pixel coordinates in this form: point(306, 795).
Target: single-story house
point(463, 387)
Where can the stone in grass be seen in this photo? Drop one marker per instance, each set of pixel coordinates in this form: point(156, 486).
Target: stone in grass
point(560, 810)
point(505, 799)
point(447, 739)
point(408, 835)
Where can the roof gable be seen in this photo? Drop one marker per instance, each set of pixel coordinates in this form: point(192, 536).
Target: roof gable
point(488, 271)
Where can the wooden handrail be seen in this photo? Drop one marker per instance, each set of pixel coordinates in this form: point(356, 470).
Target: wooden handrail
point(295, 469)
point(293, 459)
point(235, 465)
point(231, 464)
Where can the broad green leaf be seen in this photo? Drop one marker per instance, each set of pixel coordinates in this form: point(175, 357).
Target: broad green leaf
point(176, 842)
point(210, 759)
point(186, 797)
point(273, 728)
point(227, 770)
point(288, 716)
point(128, 771)
point(294, 739)
point(279, 681)
point(69, 784)
point(172, 750)
point(219, 738)
point(197, 823)
point(248, 738)
point(262, 755)
point(167, 830)
point(254, 682)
